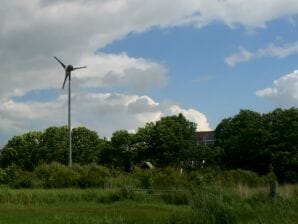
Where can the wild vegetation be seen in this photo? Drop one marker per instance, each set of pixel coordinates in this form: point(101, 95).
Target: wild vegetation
point(250, 141)
point(105, 185)
point(124, 204)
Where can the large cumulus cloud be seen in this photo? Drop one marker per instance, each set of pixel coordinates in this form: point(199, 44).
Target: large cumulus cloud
point(283, 92)
point(103, 112)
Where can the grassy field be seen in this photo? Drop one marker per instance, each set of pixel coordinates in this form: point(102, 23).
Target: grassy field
point(87, 212)
point(204, 205)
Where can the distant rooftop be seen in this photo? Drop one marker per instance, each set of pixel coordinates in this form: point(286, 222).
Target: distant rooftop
point(206, 137)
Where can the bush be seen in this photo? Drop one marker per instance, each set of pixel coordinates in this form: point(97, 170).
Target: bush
point(122, 179)
point(25, 179)
point(92, 175)
point(144, 178)
point(169, 178)
point(196, 178)
point(9, 174)
point(291, 176)
point(55, 175)
point(236, 177)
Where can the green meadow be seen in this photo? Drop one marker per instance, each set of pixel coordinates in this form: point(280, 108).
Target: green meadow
point(209, 204)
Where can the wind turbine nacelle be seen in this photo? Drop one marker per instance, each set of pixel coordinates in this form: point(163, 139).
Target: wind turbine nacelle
point(69, 68)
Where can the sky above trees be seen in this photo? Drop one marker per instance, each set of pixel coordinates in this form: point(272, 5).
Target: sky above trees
point(146, 59)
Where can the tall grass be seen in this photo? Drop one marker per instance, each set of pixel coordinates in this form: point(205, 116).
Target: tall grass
point(198, 197)
point(56, 196)
point(204, 204)
point(226, 205)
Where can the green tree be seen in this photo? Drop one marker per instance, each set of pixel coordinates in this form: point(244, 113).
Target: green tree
point(85, 145)
point(55, 143)
point(283, 142)
point(24, 151)
point(121, 142)
point(257, 142)
point(107, 155)
point(242, 139)
point(169, 141)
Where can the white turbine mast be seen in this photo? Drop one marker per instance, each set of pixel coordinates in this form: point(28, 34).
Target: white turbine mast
point(68, 69)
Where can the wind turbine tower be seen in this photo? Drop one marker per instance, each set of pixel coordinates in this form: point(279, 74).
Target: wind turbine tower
point(68, 69)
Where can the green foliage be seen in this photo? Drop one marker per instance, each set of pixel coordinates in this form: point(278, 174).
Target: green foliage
point(144, 178)
point(54, 143)
point(173, 138)
point(209, 204)
point(17, 178)
point(24, 151)
point(229, 178)
point(176, 197)
point(257, 142)
point(55, 175)
point(7, 175)
point(86, 146)
point(167, 178)
point(212, 206)
point(121, 142)
point(244, 177)
point(92, 175)
point(242, 137)
point(283, 143)
point(249, 141)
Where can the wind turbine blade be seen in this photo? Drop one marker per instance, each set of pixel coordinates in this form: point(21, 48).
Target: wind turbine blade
point(66, 75)
point(79, 67)
point(63, 65)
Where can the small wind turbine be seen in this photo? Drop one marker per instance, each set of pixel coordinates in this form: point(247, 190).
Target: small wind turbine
point(68, 70)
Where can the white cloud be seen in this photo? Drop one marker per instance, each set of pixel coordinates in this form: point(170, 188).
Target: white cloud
point(193, 115)
point(104, 113)
point(278, 51)
point(271, 50)
point(242, 56)
point(31, 32)
point(284, 91)
point(253, 13)
point(110, 70)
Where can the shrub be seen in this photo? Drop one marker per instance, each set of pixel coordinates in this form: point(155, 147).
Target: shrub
point(8, 174)
point(122, 179)
point(4, 177)
point(291, 176)
point(144, 178)
point(55, 175)
point(169, 178)
point(203, 177)
point(92, 176)
point(245, 177)
point(196, 178)
point(25, 179)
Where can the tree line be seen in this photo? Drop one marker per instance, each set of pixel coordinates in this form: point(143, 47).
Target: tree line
point(261, 142)
point(248, 140)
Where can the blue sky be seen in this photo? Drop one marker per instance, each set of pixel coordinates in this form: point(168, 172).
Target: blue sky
point(198, 75)
point(206, 59)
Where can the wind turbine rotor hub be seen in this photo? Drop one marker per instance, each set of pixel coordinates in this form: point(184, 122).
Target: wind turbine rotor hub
point(69, 68)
